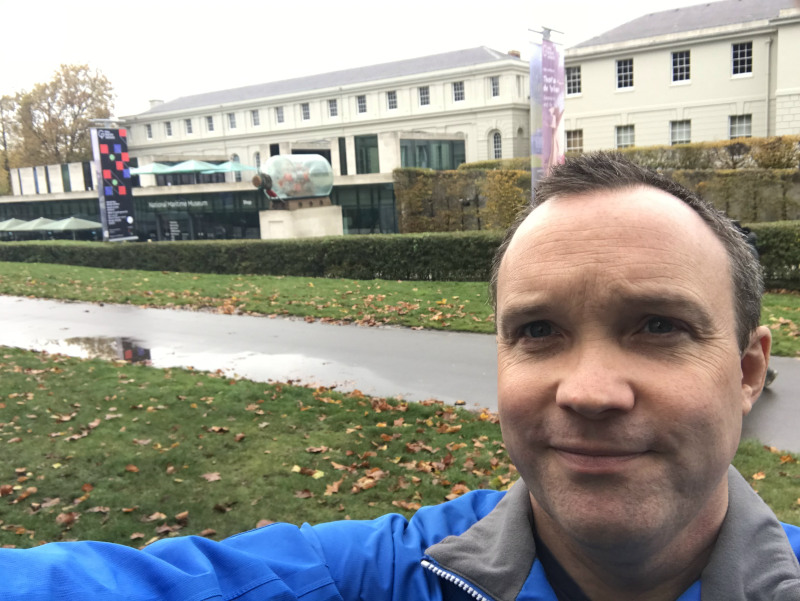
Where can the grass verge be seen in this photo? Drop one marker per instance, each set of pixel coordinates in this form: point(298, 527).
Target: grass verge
point(456, 306)
point(129, 453)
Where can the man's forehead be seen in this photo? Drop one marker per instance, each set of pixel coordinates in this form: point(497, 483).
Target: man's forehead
point(635, 204)
point(640, 216)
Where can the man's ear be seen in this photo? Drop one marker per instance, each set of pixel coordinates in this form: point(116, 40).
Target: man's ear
point(755, 360)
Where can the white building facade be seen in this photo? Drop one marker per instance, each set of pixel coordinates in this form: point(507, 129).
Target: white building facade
point(435, 112)
point(708, 72)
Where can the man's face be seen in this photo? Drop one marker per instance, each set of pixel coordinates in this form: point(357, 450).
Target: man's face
point(620, 384)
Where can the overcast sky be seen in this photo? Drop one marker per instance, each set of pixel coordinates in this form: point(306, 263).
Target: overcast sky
point(164, 49)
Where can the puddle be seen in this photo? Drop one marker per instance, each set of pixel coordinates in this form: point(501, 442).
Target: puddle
point(286, 367)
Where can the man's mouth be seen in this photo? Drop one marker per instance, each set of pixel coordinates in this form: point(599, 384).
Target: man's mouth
point(597, 460)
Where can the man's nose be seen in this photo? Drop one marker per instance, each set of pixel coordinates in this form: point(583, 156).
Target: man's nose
point(596, 382)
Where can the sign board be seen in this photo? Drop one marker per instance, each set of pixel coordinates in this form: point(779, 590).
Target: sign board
point(110, 152)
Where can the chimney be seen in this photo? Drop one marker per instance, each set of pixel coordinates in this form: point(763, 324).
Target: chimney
point(510, 53)
point(155, 103)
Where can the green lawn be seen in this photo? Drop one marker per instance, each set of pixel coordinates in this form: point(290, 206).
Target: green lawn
point(456, 306)
point(129, 453)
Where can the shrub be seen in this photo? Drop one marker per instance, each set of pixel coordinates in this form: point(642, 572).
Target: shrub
point(457, 256)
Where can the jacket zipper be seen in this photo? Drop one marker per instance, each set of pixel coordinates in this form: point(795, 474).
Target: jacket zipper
point(457, 580)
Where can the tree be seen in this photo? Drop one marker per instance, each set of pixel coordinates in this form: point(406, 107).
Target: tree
point(8, 106)
point(54, 118)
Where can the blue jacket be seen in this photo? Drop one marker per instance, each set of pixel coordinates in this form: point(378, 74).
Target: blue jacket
point(479, 546)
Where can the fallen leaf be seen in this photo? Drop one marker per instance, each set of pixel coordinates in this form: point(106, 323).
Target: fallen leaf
point(208, 532)
point(154, 517)
point(322, 449)
point(759, 476)
point(137, 535)
point(303, 494)
point(131, 468)
point(67, 519)
point(211, 476)
point(262, 523)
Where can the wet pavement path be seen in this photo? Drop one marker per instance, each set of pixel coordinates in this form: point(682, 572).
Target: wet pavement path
point(386, 361)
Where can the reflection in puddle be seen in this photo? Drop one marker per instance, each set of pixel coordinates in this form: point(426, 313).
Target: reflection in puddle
point(100, 347)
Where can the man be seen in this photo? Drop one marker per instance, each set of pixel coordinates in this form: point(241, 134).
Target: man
point(628, 352)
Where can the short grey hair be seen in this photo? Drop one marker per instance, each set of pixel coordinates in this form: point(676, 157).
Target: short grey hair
point(599, 171)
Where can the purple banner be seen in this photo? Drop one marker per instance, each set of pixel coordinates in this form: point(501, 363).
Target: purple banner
point(553, 136)
point(547, 109)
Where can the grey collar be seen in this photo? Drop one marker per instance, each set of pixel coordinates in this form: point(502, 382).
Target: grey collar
point(752, 559)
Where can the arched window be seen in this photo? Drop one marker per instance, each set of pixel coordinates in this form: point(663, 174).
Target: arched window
point(497, 145)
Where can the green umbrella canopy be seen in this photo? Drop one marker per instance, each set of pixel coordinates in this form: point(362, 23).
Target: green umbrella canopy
point(41, 223)
point(151, 169)
point(191, 166)
point(9, 223)
point(229, 166)
point(74, 223)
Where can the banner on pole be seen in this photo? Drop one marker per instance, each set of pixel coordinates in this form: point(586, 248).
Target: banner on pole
point(547, 109)
point(110, 152)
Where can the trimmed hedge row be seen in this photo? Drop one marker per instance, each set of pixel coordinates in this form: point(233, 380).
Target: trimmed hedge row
point(453, 256)
point(778, 245)
point(456, 256)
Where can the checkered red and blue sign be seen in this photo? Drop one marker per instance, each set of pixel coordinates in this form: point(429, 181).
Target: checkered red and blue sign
point(110, 149)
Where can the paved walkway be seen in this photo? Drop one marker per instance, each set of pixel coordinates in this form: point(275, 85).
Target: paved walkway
point(414, 365)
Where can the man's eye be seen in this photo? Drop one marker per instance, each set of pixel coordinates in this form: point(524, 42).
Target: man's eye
point(659, 325)
point(537, 329)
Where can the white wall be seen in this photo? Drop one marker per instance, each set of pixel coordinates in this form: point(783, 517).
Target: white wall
point(301, 223)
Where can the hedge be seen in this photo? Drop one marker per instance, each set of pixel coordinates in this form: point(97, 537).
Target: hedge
point(456, 256)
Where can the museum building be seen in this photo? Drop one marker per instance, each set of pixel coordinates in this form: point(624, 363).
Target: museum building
point(431, 112)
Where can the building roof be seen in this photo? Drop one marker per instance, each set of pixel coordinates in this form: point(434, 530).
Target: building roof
point(692, 18)
point(413, 66)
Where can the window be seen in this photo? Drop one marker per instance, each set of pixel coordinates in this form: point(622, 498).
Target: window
point(625, 136)
point(625, 73)
point(361, 101)
point(497, 145)
point(149, 131)
point(257, 160)
point(573, 77)
point(168, 128)
point(433, 154)
point(424, 95)
point(255, 118)
point(681, 66)
point(680, 132)
point(343, 156)
point(232, 120)
point(306, 110)
point(742, 58)
point(458, 91)
point(278, 114)
point(740, 126)
point(391, 100)
point(210, 123)
point(333, 108)
point(574, 140)
point(494, 84)
point(187, 125)
point(237, 175)
point(366, 154)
